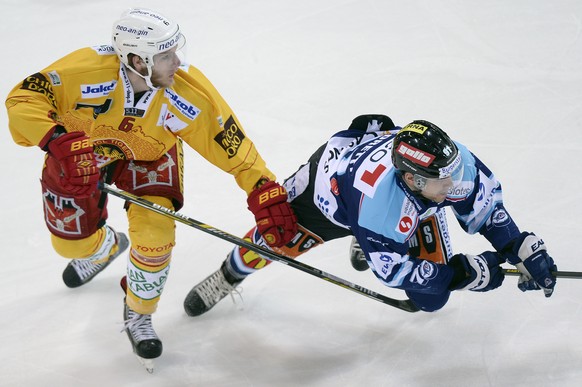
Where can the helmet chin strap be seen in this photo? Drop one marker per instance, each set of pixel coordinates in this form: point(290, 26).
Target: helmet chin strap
point(146, 78)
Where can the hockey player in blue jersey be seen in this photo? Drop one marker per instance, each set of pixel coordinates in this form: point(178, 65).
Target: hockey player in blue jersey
point(379, 182)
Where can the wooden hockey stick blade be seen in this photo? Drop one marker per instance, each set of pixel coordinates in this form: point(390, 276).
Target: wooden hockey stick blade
point(557, 274)
point(405, 305)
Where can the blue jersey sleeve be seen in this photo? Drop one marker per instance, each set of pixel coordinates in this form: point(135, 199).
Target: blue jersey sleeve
point(391, 264)
point(481, 209)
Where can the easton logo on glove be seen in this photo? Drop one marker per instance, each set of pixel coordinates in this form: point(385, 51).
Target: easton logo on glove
point(275, 219)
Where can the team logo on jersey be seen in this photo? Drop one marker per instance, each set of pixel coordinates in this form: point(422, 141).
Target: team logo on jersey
point(499, 218)
point(111, 149)
point(185, 107)
point(97, 90)
point(424, 272)
point(231, 137)
point(39, 84)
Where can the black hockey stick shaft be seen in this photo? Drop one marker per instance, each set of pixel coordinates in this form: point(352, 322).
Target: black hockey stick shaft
point(558, 274)
point(405, 305)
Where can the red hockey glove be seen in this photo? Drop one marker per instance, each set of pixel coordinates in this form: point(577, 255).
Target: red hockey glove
point(276, 221)
point(74, 151)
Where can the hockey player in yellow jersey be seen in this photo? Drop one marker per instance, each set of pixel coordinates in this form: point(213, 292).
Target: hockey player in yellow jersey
point(119, 114)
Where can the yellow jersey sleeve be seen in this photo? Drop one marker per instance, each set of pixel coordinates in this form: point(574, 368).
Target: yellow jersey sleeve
point(89, 90)
point(219, 137)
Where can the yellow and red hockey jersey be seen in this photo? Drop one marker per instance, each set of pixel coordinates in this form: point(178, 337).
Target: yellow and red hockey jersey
point(88, 90)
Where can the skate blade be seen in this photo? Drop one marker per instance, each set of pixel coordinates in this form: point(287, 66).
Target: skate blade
point(147, 363)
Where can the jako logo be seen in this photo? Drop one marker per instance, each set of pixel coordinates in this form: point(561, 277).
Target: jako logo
point(416, 155)
point(98, 90)
point(183, 106)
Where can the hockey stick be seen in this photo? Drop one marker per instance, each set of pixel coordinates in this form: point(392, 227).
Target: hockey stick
point(405, 305)
point(559, 274)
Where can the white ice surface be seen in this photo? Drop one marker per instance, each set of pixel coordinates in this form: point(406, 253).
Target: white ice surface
point(503, 77)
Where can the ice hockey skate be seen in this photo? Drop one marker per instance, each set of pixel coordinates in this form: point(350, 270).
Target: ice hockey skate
point(207, 293)
point(357, 257)
point(145, 342)
point(80, 271)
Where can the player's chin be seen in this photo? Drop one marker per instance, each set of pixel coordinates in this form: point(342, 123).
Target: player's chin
point(165, 82)
point(437, 198)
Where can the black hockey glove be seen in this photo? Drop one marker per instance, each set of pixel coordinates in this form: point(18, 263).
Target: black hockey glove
point(479, 273)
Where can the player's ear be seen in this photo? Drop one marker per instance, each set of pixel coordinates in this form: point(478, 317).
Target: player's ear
point(136, 62)
point(408, 177)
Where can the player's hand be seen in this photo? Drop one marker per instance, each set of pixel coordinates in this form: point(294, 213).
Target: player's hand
point(275, 219)
point(530, 257)
point(479, 273)
point(79, 172)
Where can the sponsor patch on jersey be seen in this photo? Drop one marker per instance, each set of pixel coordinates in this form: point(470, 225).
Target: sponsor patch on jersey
point(372, 171)
point(39, 84)
point(133, 112)
point(408, 219)
point(231, 137)
point(405, 224)
point(384, 262)
point(460, 191)
point(97, 90)
point(54, 78)
point(180, 103)
point(169, 120)
point(104, 49)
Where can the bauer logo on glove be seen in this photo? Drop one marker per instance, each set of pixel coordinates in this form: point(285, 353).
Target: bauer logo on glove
point(275, 219)
point(272, 194)
point(79, 171)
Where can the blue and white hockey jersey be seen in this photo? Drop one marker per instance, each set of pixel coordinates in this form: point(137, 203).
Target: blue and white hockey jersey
point(357, 187)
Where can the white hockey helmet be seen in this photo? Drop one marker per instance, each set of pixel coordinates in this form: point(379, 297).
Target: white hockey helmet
point(145, 33)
